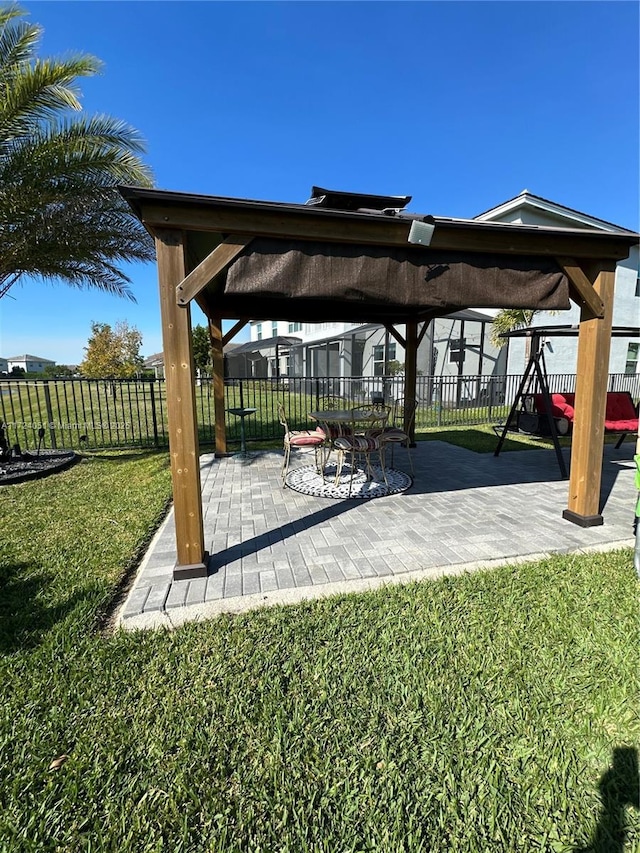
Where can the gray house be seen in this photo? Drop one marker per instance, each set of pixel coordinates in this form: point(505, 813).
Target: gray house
point(561, 353)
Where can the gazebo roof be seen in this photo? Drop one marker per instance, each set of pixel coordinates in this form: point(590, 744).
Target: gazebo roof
point(370, 262)
point(309, 262)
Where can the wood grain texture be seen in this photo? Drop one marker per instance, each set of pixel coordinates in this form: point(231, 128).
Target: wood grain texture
point(181, 409)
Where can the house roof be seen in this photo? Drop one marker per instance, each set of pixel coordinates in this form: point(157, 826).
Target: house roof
point(528, 199)
point(28, 357)
point(265, 344)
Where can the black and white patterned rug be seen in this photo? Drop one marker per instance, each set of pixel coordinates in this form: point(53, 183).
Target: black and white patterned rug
point(307, 481)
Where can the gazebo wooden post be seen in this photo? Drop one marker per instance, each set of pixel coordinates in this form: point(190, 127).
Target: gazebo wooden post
point(181, 408)
point(410, 377)
point(592, 372)
point(215, 333)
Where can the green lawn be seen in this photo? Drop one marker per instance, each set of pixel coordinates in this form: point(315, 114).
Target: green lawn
point(488, 712)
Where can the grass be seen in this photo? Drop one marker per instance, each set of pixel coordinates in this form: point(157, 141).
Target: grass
point(482, 439)
point(493, 711)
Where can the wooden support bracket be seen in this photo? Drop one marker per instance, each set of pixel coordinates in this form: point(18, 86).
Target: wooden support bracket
point(396, 334)
point(583, 290)
point(210, 267)
point(233, 331)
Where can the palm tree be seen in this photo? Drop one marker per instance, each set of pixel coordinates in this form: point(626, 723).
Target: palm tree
point(61, 215)
point(507, 320)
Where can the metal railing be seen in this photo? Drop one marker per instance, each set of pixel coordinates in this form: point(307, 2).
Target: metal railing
point(87, 413)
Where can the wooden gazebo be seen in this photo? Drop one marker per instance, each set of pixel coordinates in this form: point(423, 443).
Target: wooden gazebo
point(364, 259)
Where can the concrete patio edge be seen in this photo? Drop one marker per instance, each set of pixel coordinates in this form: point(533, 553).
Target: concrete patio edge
point(244, 603)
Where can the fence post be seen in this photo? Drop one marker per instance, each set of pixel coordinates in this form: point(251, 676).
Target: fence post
point(47, 401)
point(154, 416)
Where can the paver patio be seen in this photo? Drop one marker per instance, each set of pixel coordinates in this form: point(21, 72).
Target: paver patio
point(464, 511)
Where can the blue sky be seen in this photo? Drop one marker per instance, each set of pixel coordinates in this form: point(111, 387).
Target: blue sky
point(460, 104)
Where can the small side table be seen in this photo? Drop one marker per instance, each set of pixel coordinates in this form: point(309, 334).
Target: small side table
point(242, 412)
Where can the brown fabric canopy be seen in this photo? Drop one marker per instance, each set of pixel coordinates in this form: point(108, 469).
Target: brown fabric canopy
point(303, 280)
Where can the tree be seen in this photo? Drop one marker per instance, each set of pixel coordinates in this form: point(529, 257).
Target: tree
point(112, 353)
point(507, 320)
point(61, 215)
point(202, 349)
point(58, 370)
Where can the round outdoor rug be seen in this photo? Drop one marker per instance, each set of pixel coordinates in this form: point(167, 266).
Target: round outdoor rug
point(307, 481)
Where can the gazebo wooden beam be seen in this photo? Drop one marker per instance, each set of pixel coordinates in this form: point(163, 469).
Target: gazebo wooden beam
point(217, 354)
point(395, 334)
point(582, 290)
point(402, 341)
point(410, 378)
point(233, 331)
point(287, 222)
point(210, 267)
point(181, 409)
point(592, 372)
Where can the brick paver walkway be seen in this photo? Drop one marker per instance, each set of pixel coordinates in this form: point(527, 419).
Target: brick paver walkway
point(465, 510)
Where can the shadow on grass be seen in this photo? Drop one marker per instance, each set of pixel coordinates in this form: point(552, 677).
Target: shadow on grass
point(24, 618)
point(619, 789)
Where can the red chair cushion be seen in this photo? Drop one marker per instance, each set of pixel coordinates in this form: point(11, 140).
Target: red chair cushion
point(620, 415)
point(306, 439)
point(561, 405)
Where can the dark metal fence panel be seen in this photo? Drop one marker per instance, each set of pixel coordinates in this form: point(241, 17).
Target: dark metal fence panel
point(78, 413)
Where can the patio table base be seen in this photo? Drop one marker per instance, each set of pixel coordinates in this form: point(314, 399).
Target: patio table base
point(307, 481)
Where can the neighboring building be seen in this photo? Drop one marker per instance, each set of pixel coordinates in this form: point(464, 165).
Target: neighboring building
point(560, 353)
point(29, 363)
point(261, 358)
point(155, 363)
point(4, 365)
point(453, 346)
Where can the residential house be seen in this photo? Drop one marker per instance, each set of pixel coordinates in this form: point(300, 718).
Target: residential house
point(155, 363)
point(454, 346)
point(29, 363)
point(560, 353)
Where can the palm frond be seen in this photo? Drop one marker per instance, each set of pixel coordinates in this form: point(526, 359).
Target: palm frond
point(61, 216)
point(39, 92)
point(17, 40)
point(507, 320)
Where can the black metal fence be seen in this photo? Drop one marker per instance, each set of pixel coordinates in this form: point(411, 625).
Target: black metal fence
point(87, 413)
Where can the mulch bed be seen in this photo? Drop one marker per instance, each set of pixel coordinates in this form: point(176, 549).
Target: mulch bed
point(31, 468)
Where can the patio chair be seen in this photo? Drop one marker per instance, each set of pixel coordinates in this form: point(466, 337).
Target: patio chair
point(381, 414)
point(304, 439)
point(331, 401)
point(358, 445)
point(395, 433)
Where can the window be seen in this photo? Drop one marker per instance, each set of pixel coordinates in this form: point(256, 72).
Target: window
point(632, 358)
point(378, 358)
point(259, 331)
point(274, 329)
point(295, 327)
